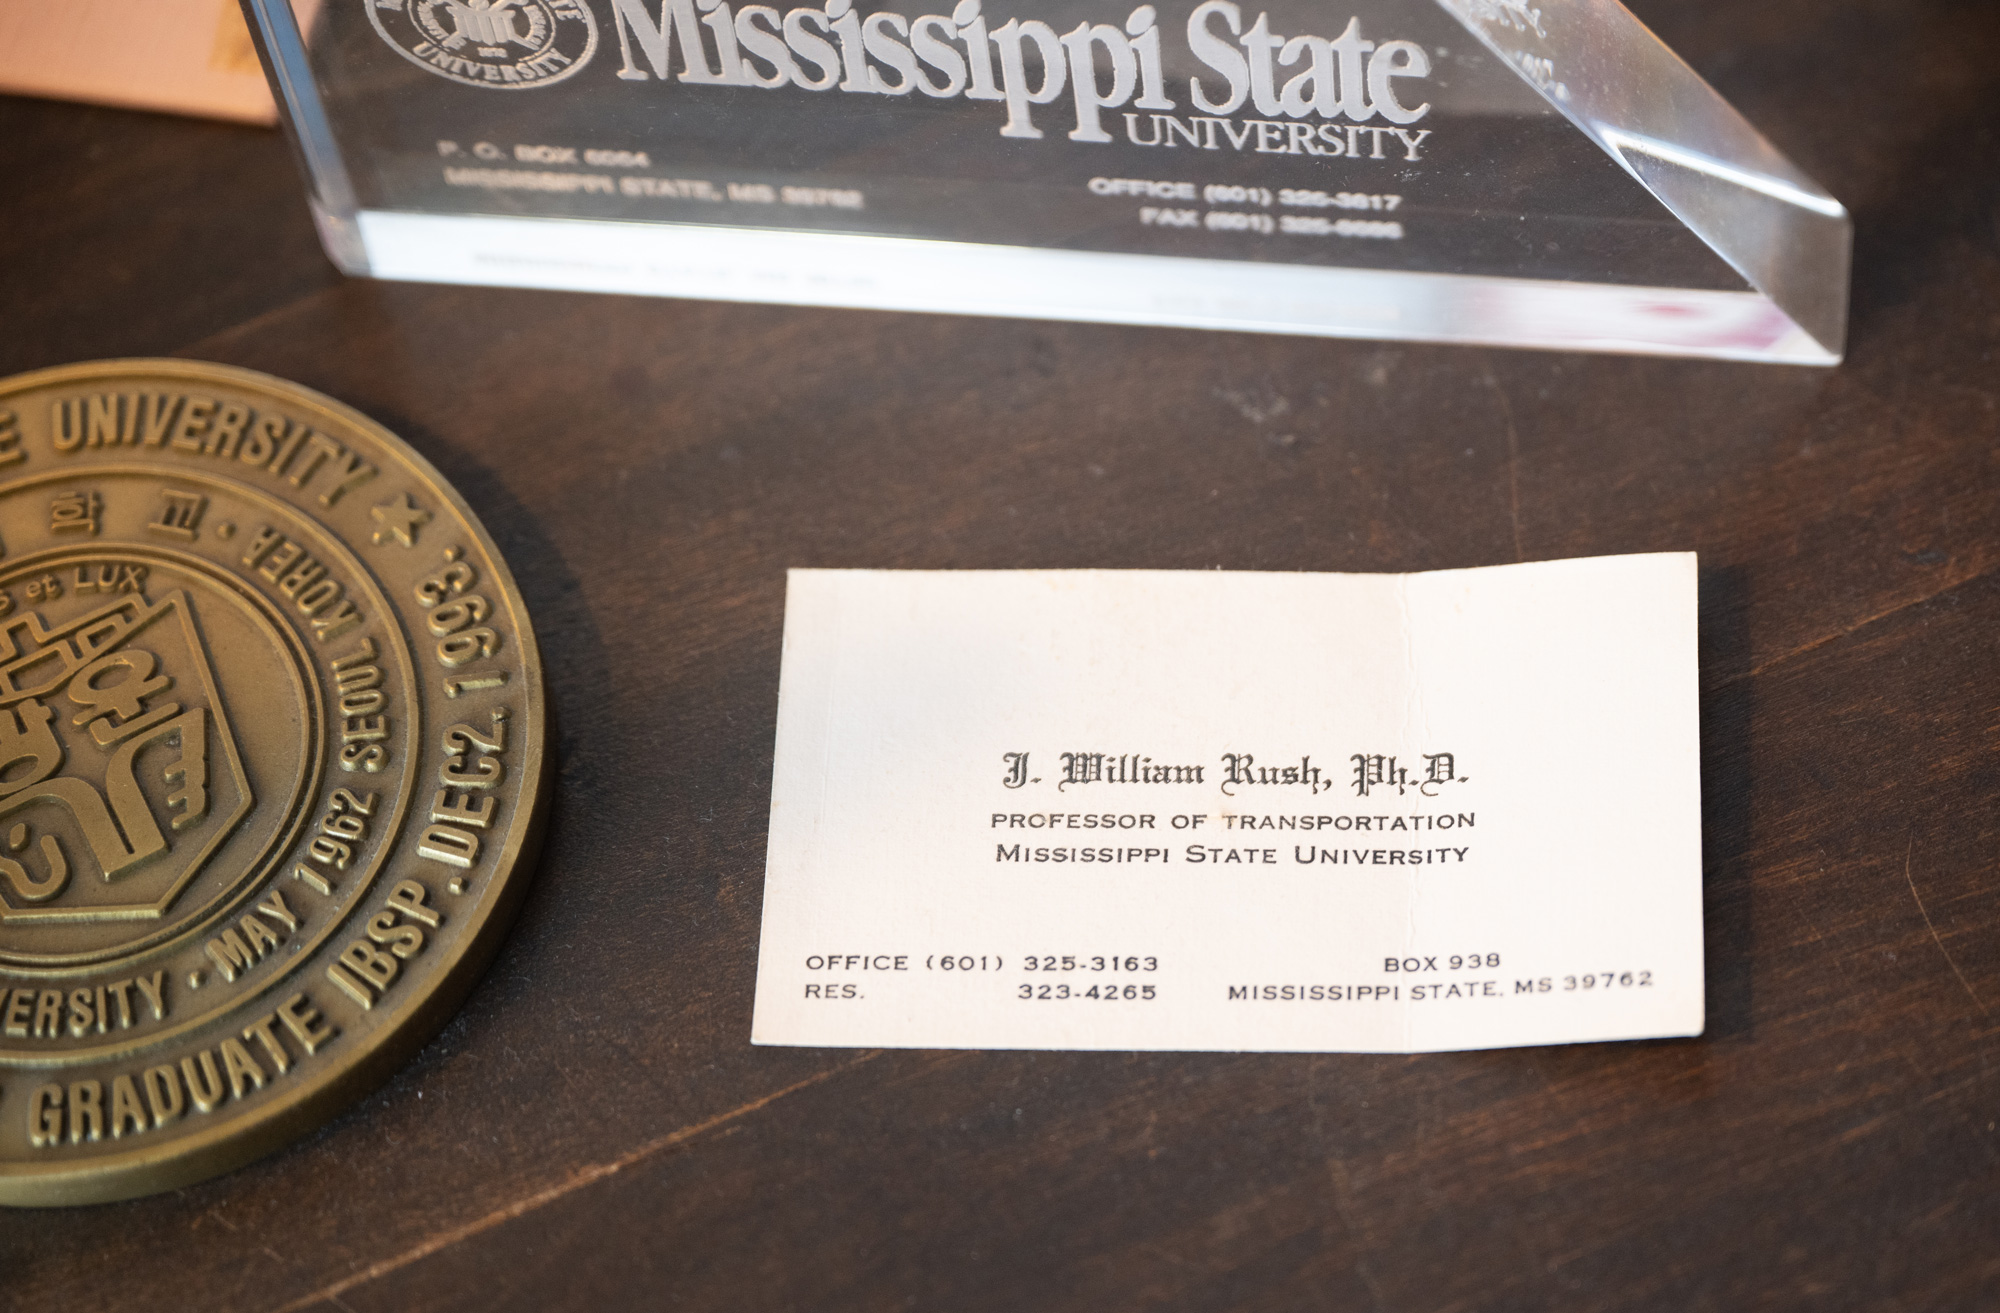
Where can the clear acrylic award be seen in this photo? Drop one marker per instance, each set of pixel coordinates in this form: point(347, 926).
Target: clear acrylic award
point(1536, 173)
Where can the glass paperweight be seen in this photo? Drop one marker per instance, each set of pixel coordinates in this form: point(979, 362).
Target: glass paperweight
point(1539, 173)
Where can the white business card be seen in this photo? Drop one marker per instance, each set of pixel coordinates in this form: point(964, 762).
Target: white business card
point(1177, 810)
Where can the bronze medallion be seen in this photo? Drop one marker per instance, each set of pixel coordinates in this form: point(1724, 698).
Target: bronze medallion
point(270, 766)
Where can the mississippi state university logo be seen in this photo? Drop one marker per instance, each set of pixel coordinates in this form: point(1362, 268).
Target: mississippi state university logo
point(490, 43)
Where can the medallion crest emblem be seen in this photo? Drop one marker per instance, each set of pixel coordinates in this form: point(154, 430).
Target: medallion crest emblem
point(119, 770)
point(507, 44)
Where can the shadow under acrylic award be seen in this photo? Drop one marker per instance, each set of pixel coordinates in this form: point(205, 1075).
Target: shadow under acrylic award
point(1493, 171)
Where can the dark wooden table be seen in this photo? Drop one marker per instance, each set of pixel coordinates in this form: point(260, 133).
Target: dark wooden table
point(595, 1130)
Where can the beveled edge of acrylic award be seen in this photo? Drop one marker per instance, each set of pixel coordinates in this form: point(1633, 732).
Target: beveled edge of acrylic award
point(792, 267)
point(1622, 87)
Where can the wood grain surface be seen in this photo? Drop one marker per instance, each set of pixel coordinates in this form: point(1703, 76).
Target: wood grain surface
point(595, 1131)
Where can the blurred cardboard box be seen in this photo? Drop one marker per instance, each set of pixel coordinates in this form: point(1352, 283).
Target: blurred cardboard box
point(179, 56)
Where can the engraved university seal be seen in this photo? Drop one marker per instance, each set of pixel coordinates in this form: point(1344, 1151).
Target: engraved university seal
point(270, 762)
point(509, 44)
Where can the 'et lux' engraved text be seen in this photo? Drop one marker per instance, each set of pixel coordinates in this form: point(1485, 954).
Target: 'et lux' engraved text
point(110, 577)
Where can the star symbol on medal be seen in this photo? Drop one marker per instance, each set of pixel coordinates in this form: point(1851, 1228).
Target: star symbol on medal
point(399, 519)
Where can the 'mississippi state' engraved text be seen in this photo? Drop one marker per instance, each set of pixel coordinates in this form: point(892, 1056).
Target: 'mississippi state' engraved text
point(888, 54)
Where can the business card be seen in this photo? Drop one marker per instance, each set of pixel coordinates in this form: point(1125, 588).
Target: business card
point(1231, 811)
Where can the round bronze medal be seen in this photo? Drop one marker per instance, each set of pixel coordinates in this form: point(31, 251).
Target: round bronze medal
point(270, 768)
